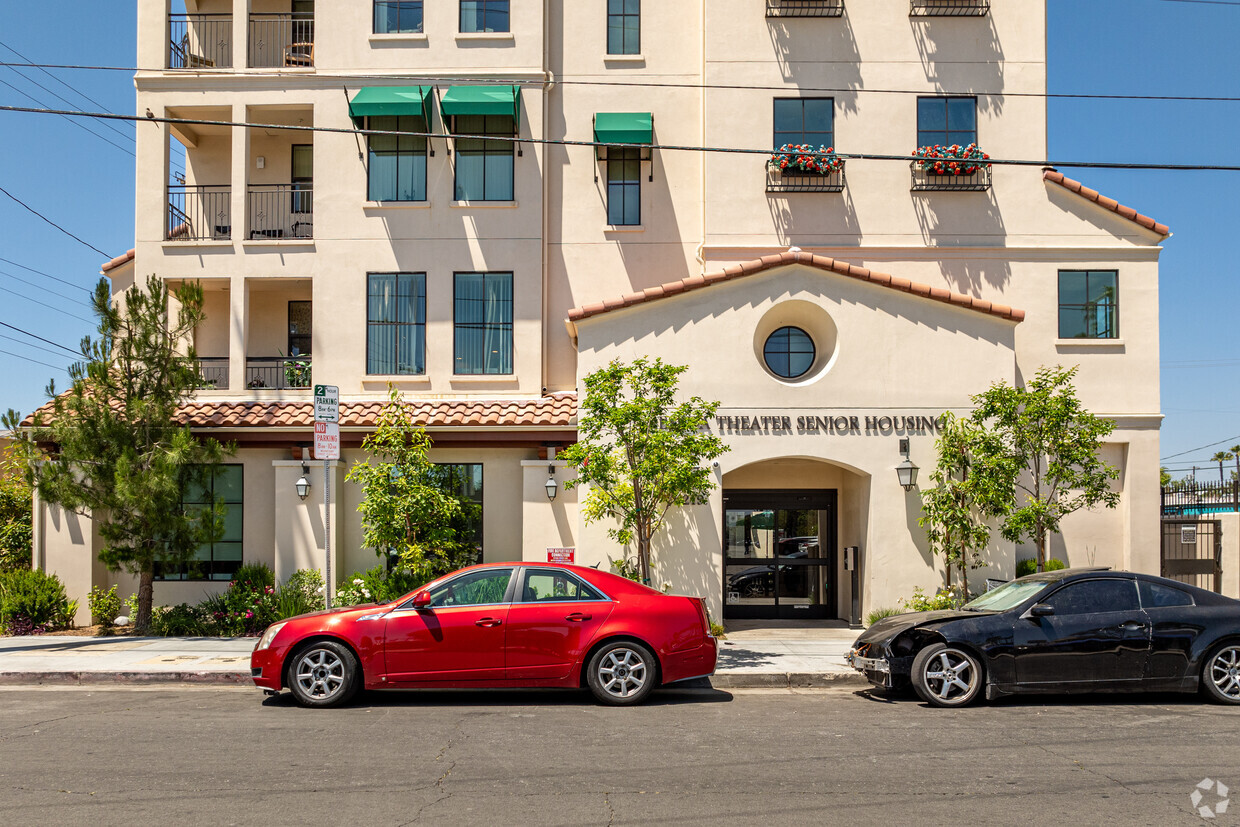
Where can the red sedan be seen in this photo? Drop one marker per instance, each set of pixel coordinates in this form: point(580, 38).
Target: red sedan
point(495, 625)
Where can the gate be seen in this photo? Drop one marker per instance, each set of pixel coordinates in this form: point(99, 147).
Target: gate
point(1192, 552)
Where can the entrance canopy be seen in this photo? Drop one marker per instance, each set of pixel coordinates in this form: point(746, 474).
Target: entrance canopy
point(376, 101)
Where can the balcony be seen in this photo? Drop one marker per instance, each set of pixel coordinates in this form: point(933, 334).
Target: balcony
point(280, 211)
point(213, 371)
point(948, 8)
point(804, 8)
point(979, 181)
point(277, 372)
point(200, 41)
point(198, 213)
point(278, 41)
point(777, 181)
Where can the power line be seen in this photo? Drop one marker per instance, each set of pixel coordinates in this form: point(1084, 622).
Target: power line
point(41, 339)
point(1202, 447)
point(36, 361)
point(82, 126)
point(44, 304)
point(88, 290)
point(514, 139)
point(28, 344)
point(53, 223)
point(44, 289)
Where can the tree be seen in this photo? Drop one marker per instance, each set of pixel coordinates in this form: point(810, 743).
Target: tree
point(117, 453)
point(640, 451)
point(1040, 446)
point(954, 509)
point(1220, 457)
point(1164, 476)
point(407, 510)
point(15, 513)
point(1235, 454)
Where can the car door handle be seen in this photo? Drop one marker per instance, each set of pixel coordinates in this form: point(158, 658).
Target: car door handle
point(1131, 626)
point(577, 617)
point(487, 622)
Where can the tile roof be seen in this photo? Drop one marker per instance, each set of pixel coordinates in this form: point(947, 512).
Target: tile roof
point(554, 410)
point(117, 262)
point(793, 256)
point(1057, 177)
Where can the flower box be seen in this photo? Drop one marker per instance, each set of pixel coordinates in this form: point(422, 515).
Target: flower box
point(944, 168)
point(803, 159)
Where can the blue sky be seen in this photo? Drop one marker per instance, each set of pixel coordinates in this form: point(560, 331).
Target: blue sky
point(1126, 47)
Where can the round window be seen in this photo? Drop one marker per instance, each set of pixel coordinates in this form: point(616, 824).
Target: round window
point(789, 352)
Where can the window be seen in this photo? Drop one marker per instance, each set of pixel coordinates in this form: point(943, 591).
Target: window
point(464, 481)
point(483, 166)
point(1088, 304)
point(300, 328)
point(624, 34)
point(303, 179)
point(483, 323)
point(946, 121)
point(397, 169)
point(1095, 596)
point(219, 560)
point(398, 16)
point(805, 121)
point(1158, 596)
point(624, 187)
point(477, 588)
point(396, 323)
point(484, 16)
point(555, 586)
point(789, 352)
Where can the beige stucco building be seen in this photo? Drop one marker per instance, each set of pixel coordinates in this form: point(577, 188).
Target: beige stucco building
point(832, 315)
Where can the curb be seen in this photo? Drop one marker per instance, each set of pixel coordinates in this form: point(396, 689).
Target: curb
point(123, 678)
point(786, 680)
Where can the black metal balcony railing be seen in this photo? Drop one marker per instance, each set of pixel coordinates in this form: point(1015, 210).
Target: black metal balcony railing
point(277, 372)
point(213, 371)
point(281, 40)
point(200, 41)
point(948, 8)
point(280, 210)
point(923, 181)
point(785, 181)
point(804, 8)
point(1182, 498)
point(198, 213)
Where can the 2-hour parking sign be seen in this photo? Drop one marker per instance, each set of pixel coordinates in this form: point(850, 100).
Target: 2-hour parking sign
point(326, 403)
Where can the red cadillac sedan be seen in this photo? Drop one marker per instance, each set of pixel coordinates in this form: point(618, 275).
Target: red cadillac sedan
point(495, 625)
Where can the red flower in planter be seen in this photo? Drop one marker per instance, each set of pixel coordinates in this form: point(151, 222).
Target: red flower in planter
point(796, 159)
point(951, 160)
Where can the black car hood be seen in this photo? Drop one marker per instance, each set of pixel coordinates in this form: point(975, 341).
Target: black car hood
point(889, 627)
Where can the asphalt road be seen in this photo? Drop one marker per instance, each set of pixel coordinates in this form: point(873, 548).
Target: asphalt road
point(229, 756)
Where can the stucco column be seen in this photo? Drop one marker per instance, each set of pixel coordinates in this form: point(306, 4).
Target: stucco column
point(299, 525)
point(545, 523)
point(238, 331)
point(240, 169)
point(240, 35)
point(64, 545)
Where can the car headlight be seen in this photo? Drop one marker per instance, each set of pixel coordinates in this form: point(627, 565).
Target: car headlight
point(269, 635)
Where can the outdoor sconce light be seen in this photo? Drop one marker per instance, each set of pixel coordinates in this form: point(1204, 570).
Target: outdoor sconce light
point(906, 471)
point(303, 483)
point(551, 485)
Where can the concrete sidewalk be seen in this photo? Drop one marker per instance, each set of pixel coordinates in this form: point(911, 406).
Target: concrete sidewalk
point(752, 656)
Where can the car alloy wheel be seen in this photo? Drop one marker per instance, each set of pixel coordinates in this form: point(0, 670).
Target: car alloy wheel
point(1222, 674)
point(622, 673)
point(323, 674)
point(946, 676)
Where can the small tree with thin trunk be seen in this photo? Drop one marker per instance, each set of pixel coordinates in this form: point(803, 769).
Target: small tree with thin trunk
point(115, 449)
point(954, 509)
point(1037, 453)
point(641, 452)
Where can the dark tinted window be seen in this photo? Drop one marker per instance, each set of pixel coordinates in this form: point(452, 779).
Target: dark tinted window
point(1156, 596)
point(1095, 596)
point(555, 585)
point(476, 588)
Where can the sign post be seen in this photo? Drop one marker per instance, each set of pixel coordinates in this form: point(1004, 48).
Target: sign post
point(327, 448)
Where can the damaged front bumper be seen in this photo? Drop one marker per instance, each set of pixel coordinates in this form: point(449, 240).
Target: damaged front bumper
point(878, 668)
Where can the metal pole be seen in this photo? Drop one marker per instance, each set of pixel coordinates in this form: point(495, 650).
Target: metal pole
point(327, 531)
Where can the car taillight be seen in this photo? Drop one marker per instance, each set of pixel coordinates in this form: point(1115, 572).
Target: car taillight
point(700, 604)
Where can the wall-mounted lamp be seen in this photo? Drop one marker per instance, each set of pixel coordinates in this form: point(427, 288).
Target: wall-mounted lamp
point(906, 471)
point(551, 485)
point(303, 483)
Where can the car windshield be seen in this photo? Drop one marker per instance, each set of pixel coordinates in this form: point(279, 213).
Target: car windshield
point(1006, 596)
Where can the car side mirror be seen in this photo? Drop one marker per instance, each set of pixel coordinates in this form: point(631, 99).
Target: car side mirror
point(1041, 610)
point(421, 600)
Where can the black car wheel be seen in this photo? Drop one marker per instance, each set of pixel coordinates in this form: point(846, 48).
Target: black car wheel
point(323, 674)
point(946, 676)
point(622, 673)
point(1221, 675)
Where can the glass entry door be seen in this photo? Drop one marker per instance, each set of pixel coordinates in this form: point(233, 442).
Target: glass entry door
point(779, 554)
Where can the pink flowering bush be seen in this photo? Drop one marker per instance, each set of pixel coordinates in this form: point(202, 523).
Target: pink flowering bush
point(794, 159)
point(950, 160)
point(249, 605)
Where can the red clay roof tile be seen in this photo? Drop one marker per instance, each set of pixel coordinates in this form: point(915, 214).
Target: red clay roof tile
point(118, 261)
point(1056, 177)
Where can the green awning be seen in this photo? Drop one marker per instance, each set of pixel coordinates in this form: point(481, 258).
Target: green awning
point(481, 100)
point(623, 128)
point(375, 101)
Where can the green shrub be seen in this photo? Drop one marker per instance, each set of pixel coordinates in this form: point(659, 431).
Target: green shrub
point(31, 598)
point(105, 607)
point(1030, 566)
point(256, 574)
point(131, 606)
point(878, 614)
point(920, 602)
point(303, 593)
point(180, 621)
point(376, 586)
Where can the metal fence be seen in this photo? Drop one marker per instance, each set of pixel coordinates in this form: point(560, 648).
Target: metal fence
point(804, 8)
point(213, 371)
point(777, 181)
point(279, 40)
point(1189, 499)
point(948, 8)
point(1192, 552)
point(280, 210)
point(199, 41)
point(929, 182)
point(277, 372)
point(198, 213)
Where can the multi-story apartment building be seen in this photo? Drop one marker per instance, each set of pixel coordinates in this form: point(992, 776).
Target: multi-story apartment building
point(637, 213)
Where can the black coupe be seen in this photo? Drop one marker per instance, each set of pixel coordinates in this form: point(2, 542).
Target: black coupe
point(1073, 630)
